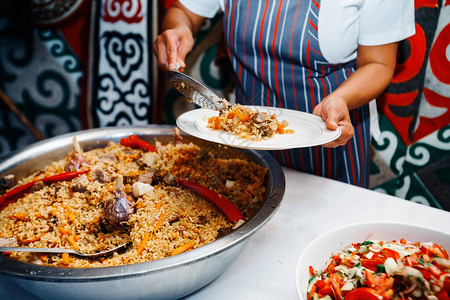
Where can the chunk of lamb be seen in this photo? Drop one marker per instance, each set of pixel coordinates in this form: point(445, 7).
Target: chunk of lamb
point(119, 208)
point(101, 175)
point(76, 158)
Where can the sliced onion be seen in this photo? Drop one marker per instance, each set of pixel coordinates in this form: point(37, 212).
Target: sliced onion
point(445, 263)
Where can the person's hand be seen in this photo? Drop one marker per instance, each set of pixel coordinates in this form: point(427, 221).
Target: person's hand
point(172, 46)
point(334, 111)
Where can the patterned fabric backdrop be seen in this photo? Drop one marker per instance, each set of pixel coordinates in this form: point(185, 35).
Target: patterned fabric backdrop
point(120, 77)
point(71, 65)
point(413, 155)
point(40, 72)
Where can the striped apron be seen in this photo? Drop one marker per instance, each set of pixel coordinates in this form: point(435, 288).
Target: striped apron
point(275, 52)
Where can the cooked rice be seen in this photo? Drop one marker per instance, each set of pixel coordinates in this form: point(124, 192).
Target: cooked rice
point(56, 216)
point(248, 123)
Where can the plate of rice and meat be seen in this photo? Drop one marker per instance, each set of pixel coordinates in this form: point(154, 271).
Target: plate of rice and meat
point(185, 208)
point(257, 127)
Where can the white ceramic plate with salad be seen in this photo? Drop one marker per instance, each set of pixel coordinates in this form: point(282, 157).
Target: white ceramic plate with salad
point(321, 249)
point(308, 129)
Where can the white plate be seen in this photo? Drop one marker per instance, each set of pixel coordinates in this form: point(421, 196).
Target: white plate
point(309, 130)
point(323, 247)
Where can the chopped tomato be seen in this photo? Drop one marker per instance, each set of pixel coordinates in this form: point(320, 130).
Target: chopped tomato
point(312, 272)
point(377, 281)
point(371, 264)
point(311, 293)
point(324, 287)
point(425, 273)
point(408, 261)
point(446, 287)
point(443, 296)
point(363, 293)
point(390, 253)
point(437, 251)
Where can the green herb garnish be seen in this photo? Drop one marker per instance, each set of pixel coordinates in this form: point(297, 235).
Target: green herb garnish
point(312, 278)
point(381, 269)
point(367, 243)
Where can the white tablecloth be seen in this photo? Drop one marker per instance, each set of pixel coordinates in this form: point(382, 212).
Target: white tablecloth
point(311, 206)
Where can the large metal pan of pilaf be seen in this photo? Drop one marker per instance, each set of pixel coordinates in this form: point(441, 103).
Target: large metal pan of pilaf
point(186, 207)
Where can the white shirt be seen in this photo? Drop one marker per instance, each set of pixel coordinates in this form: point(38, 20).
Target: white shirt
point(343, 24)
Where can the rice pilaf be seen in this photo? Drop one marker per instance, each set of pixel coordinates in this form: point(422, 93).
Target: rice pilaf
point(167, 219)
point(248, 124)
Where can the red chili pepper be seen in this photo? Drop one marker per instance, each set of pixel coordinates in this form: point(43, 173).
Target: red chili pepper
point(230, 211)
point(18, 191)
point(14, 194)
point(134, 141)
point(63, 176)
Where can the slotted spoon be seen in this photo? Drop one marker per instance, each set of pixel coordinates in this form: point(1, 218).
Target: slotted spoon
point(196, 92)
point(70, 251)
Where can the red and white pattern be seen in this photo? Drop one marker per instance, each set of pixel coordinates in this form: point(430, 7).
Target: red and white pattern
point(129, 11)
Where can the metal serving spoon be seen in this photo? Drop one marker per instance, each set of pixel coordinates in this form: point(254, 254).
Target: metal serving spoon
point(70, 251)
point(196, 92)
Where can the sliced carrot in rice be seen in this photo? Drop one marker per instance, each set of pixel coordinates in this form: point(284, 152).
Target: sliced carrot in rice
point(143, 243)
point(43, 257)
point(280, 129)
point(27, 241)
point(72, 242)
point(216, 124)
point(243, 116)
point(20, 216)
point(160, 220)
point(183, 248)
point(70, 216)
point(66, 260)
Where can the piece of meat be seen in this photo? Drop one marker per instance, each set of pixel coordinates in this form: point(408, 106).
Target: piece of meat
point(259, 117)
point(39, 185)
point(101, 175)
point(118, 209)
point(169, 179)
point(147, 177)
point(76, 158)
point(177, 135)
point(7, 182)
point(80, 184)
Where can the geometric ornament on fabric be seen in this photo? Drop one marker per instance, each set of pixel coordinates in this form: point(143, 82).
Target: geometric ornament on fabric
point(415, 112)
point(418, 100)
point(119, 84)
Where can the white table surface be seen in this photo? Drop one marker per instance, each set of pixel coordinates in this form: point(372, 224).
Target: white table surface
point(311, 206)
